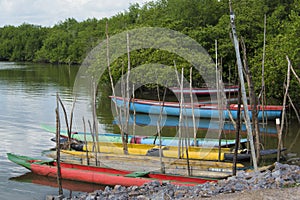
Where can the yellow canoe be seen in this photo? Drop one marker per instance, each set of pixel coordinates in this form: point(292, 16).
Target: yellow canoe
point(199, 153)
point(203, 168)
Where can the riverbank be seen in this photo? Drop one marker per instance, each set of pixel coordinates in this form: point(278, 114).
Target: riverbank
point(282, 180)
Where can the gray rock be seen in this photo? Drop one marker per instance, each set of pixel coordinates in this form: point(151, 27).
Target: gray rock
point(283, 175)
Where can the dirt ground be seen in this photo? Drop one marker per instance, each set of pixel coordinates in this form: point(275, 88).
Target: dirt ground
point(266, 194)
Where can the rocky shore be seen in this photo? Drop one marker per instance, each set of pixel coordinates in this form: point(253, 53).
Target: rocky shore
point(282, 176)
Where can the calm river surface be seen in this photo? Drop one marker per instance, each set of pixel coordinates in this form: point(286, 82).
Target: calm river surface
point(28, 100)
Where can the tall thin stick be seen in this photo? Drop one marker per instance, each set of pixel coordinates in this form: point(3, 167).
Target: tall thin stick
point(253, 102)
point(94, 142)
point(127, 93)
point(180, 115)
point(293, 106)
point(60, 190)
point(95, 121)
point(243, 91)
point(158, 132)
point(85, 142)
point(134, 111)
point(263, 72)
point(237, 135)
point(162, 169)
point(67, 122)
point(293, 71)
point(219, 99)
point(126, 105)
point(181, 123)
point(283, 109)
point(72, 114)
point(113, 88)
point(192, 104)
point(160, 112)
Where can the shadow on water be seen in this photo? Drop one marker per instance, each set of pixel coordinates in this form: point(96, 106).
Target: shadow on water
point(52, 182)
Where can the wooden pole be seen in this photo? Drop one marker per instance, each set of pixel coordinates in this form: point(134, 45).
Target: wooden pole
point(125, 108)
point(263, 92)
point(85, 142)
point(253, 102)
point(134, 111)
point(162, 168)
point(66, 120)
point(94, 142)
point(127, 95)
point(192, 104)
point(237, 133)
point(113, 88)
point(95, 121)
point(71, 117)
point(293, 71)
point(283, 109)
point(60, 190)
point(160, 112)
point(243, 91)
point(182, 107)
point(180, 115)
point(158, 132)
point(294, 108)
point(220, 108)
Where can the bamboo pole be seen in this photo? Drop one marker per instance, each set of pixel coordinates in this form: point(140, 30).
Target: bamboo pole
point(125, 108)
point(87, 152)
point(180, 115)
point(161, 110)
point(253, 102)
point(263, 92)
point(182, 107)
point(243, 91)
point(94, 142)
point(72, 114)
point(134, 111)
point(158, 132)
point(193, 112)
point(66, 120)
point(294, 108)
point(283, 109)
point(113, 88)
point(95, 121)
point(219, 99)
point(127, 93)
point(237, 135)
point(60, 190)
point(293, 71)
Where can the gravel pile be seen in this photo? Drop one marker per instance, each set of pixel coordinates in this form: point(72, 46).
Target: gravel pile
point(283, 175)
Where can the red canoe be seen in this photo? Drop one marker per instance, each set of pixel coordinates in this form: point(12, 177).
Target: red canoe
point(100, 175)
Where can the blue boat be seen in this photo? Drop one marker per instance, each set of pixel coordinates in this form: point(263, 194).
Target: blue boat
point(143, 139)
point(198, 110)
point(142, 119)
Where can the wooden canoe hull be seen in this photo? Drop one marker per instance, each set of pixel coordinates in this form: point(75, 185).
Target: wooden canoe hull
point(99, 175)
point(199, 153)
point(199, 168)
point(136, 139)
point(199, 110)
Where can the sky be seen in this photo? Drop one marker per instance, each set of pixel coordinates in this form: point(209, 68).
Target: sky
point(50, 12)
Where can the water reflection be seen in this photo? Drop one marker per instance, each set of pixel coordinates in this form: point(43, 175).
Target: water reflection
point(52, 182)
point(28, 100)
point(27, 96)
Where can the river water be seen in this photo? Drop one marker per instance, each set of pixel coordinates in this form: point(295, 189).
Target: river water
point(28, 101)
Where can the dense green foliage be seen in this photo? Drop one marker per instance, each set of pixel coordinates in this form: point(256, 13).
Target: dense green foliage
point(203, 20)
